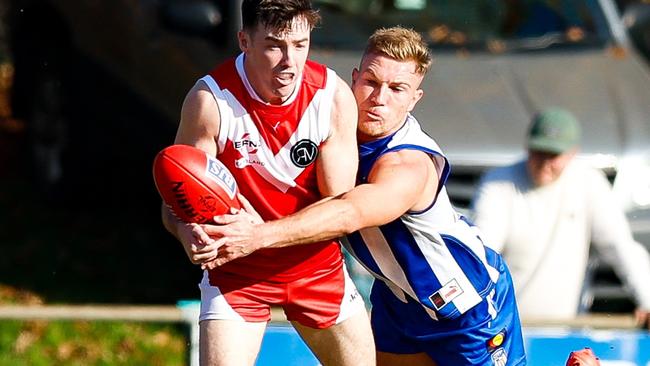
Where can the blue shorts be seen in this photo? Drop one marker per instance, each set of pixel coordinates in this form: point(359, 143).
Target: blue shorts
point(487, 334)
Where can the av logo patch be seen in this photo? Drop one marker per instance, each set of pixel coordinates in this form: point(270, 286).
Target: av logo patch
point(304, 153)
point(220, 174)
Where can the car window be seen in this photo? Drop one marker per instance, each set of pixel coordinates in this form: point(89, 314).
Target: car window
point(492, 25)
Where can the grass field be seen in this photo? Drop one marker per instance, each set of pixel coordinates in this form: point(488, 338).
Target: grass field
point(48, 343)
point(43, 343)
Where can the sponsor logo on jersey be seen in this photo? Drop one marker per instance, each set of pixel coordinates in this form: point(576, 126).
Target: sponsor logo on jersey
point(220, 174)
point(496, 341)
point(276, 124)
point(246, 143)
point(304, 153)
point(499, 357)
point(244, 162)
point(446, 294)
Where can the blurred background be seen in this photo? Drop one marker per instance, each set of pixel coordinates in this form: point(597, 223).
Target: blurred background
point(90, 91)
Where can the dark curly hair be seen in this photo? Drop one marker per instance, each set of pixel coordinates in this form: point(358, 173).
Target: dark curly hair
point(277, 14)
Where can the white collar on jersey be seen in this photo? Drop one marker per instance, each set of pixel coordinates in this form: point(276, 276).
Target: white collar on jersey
point(239, 64)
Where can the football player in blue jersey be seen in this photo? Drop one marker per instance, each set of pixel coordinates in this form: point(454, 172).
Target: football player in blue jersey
point(440, 296)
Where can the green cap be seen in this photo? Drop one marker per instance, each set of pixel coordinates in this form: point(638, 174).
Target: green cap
point(554, 130)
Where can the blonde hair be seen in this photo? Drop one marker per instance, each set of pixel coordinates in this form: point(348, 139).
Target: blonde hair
point(401, 44)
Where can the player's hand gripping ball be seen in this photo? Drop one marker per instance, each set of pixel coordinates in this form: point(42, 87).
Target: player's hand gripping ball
point(195, 185)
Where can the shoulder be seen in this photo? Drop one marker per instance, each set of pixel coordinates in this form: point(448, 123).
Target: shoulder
point(581, 171)
point(413, 136)
point(404, 156)
point(578, 166)
point(200, 120)
point(200, 99)
point(344, 108)
point(199, 104)
point(199, 94)
point(404, 160)
point(343, 93)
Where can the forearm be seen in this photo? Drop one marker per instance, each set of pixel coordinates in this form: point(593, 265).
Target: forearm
point(321, 221)
point(632, 263)
point(613, 239)
point(170, 222)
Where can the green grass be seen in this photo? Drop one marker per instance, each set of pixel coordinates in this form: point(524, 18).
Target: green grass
point(95, 238)
point(91, 343)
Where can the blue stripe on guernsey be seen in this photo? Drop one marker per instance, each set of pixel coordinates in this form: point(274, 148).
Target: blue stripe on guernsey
point(413, 262)
point(368, 153)
point(473, 267)
point(493, 258)
point(355, 245)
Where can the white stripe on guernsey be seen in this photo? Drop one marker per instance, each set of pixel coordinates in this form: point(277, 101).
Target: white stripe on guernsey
point(469, 235)
point(396, 290)
point(225, 112)
point(229, 107)
point(318, 114)
point(324, 123)
point(412, 133)
point(492, 310)
point(493, 272)
point(446, 268)
point(382, 254)
point(278, 169)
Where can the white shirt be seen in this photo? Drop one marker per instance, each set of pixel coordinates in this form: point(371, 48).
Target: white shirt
point(544, 235)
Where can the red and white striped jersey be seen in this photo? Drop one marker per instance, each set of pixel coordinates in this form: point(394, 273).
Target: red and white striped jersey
point(272, 150)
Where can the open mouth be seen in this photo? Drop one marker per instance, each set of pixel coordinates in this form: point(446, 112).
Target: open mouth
point(285, 78)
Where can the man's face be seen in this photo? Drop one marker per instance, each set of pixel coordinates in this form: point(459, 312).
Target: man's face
point(385, 91)
point(275, 60)
point(545, 168)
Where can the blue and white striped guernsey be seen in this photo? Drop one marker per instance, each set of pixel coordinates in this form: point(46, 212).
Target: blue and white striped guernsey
point(435, 256)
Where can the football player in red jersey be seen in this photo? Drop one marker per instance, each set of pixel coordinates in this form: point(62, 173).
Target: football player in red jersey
point(280, 123)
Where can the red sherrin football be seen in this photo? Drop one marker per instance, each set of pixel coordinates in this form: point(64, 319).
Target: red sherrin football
point(193, 184)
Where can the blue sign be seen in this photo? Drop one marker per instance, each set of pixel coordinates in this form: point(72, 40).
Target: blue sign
point(544, 347)
point(548, 347)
